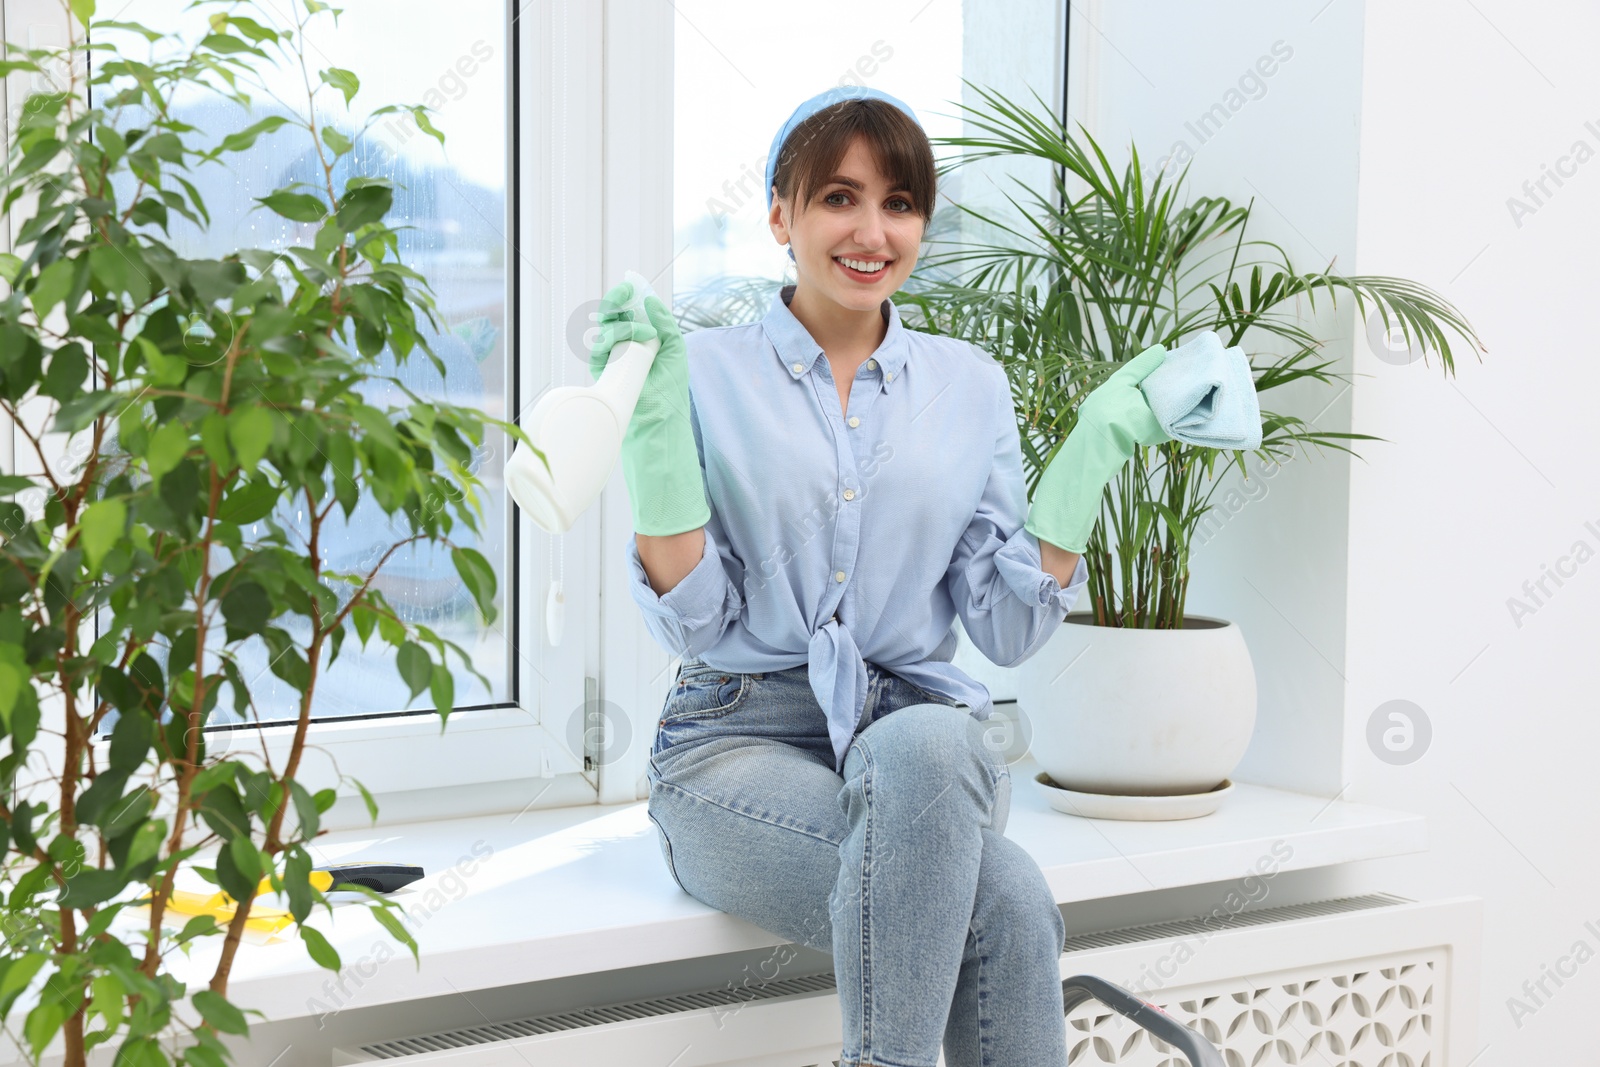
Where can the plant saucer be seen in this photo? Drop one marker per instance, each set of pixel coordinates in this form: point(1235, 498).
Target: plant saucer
point(1134, 808)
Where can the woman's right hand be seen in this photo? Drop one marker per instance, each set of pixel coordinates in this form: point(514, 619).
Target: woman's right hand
point(660, 460)
point(618, 323)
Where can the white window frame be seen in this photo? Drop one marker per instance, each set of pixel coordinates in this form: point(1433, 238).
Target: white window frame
point(577, 66)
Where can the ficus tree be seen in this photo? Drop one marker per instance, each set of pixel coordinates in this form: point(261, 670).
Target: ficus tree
point(186, 430)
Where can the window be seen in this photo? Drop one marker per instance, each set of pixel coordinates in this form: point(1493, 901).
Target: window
point(481, 231)
point(452, 200)
point(558, 119)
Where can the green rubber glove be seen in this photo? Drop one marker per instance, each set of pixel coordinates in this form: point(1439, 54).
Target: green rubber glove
point(1113, 420)
point(666, 488)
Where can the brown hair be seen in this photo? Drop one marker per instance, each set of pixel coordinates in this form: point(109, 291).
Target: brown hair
point(813, 150)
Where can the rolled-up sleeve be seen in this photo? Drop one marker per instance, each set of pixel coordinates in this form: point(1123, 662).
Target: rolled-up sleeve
point(691, 616)
point(1008, 604)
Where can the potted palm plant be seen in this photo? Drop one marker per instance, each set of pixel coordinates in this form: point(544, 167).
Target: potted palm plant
point(1103, 265)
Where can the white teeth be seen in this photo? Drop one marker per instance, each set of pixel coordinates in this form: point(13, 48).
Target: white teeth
point(862, 265)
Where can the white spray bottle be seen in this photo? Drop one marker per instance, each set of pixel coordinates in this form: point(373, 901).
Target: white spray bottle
point(579, 429)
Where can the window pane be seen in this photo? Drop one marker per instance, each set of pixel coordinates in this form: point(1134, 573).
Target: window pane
point(452, 201)
point(740, 69)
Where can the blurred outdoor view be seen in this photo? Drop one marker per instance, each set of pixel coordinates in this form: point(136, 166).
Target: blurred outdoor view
point(451, 201)
point(740, 70)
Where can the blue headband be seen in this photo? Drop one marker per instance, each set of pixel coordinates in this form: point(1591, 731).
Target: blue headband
point(827, 98)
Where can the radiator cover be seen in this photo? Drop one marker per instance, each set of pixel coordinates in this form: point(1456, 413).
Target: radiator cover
point(1368, 981)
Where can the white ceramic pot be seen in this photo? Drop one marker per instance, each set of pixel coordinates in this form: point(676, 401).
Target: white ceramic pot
point(1139, 712)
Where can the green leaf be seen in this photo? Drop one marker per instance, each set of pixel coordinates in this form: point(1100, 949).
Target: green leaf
point(149, 210)
point(250, 430)
point(100, 528)
point(443, 690)
point(238, 884)
point(305, 806)
point(336, 140)
point(215, 1009)
point(14, 674)
point(144, 1051)
point(246, 607)
point(425, 124)
point(365, 620)
point(93, 886)
point(165, 369)
point(55, 281)
point(108, 994)
point(238, 142)
point(247, 861)
point(367, 799)
point(322, 953)
point(224, 813)
point(84, 9)
point(16, 973)
point(214, 439)
point(114, 268)
point(369, 203)
point(146, 845)
point(68, 368)
point(287, 662)
point(342, 80)
point(129, 812)
point(45, 1020)
point(213, 280)
point(251, 28)
point(342, 463)
point(249, 502)
point(80, 411)
point(180, 488)
point(130, 737)
point(415, 667)
point(479, 577)
point(297, 882)
point(10, 265)
point(389, 922)
point(206, 1054)
point(103, 792)
point(297, 207)
point(166, 449)
point(225, 45)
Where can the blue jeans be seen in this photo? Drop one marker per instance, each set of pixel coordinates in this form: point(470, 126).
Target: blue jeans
point(941, 929)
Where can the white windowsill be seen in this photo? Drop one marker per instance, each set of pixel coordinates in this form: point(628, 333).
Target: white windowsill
point(577, 890)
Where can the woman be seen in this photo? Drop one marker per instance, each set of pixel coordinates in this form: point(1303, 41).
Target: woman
point(813, 506)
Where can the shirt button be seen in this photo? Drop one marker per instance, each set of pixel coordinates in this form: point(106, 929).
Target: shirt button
point(838, 576)
point(872, 363)
point(798, 367)
point(889, 377)
point(854, 421)
point(849, 494)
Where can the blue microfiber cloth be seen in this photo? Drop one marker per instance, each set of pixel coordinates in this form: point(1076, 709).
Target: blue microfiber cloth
point(1205, 395)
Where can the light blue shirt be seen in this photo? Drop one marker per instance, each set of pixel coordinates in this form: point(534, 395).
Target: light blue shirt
point(841, 537)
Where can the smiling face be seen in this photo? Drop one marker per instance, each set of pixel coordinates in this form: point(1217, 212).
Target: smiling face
point(856, 242)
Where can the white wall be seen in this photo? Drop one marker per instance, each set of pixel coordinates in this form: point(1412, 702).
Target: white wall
point(1395, 137)
point(1489, 479)
point(1282, 82)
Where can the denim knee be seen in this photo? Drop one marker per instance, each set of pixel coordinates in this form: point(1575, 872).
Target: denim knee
point(1014, 901)
point(939, 739)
